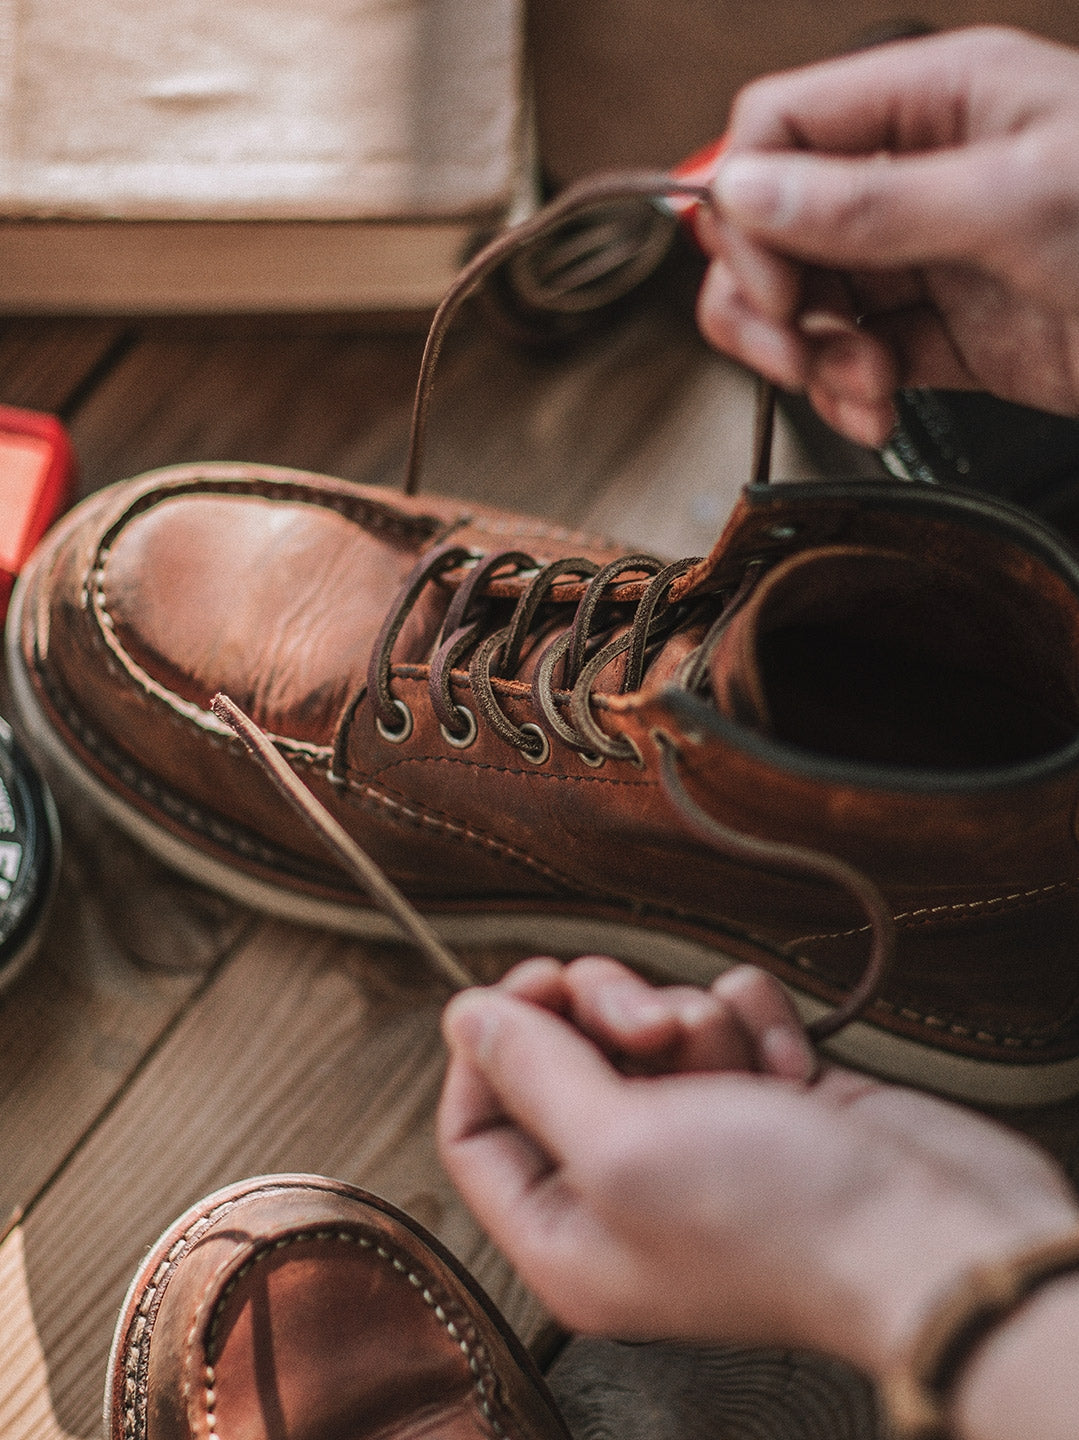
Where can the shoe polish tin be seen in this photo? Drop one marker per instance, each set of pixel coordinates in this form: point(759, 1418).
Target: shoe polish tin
point(29, 855)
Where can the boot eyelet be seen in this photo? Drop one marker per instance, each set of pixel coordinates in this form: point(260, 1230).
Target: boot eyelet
point(591, 758)
point(543, 753)
point(399, 736)
point(463, 741)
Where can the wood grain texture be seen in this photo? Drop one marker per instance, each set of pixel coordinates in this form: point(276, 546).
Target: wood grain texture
point(598, 435)
point(305, 1053)
point(49, 364)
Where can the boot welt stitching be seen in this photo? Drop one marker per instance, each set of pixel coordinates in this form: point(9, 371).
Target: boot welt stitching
point(959, 909)
point(475, 1353)
point(139, 1335)
point(143, 784)
point(531, 773)
point(139, 782)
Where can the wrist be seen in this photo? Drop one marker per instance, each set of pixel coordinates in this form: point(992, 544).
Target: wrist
point(917, 1249)
point(1022, 1379)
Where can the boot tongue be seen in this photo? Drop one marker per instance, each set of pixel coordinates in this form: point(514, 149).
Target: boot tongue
point(875, 655)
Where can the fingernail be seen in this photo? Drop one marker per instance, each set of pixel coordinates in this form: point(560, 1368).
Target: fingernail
point(787, 1054)
point(753, 190)
point(626, 1008)
point(699, 1009)
point(822, 324)
point(470, 1023)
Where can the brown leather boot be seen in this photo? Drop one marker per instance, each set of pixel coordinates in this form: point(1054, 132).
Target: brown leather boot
point(867, 688)
point(530, 738)
point(293, 1304)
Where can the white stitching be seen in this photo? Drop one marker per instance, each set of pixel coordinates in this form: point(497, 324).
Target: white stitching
point(926, 913)
point(139, 1335)
point(475, 1354)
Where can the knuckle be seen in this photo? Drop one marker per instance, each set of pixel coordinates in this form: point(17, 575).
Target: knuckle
point(753, 111)
point(850, 209)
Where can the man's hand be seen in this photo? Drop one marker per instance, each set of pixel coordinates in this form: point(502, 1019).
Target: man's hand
point(657, 1162)
point(905, 216)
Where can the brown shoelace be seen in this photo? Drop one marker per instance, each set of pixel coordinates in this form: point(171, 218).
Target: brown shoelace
point(623, 608)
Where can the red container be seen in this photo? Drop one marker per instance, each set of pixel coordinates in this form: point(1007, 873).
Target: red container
point(699, 169)
point(37, 473)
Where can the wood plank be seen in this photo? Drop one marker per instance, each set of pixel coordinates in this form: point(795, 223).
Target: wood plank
point(334, 400)
point(638, 429)
point(46, 364)
point(305, 1053)
point(124, 948)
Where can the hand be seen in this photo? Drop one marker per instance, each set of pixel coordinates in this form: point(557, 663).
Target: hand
point(905, 216)
point(712, 1194)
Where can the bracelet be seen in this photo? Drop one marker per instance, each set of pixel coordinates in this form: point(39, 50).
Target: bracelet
point(917, 1393)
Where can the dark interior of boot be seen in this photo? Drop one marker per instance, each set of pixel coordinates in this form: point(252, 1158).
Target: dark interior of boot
point(843, 694)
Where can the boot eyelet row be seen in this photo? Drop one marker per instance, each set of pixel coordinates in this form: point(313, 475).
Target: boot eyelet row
point(400, 735)
point(465, 739)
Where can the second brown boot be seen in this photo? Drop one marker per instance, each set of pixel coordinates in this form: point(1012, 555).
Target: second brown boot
point(299, 1306)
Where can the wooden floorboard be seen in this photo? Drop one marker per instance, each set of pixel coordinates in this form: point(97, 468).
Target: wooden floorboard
point(45, 364)
point(305, 1053)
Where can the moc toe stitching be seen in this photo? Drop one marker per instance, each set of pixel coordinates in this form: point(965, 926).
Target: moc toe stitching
point(446, 1309)
point(345, 1344)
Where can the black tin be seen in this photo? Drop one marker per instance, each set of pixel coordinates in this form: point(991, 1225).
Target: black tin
point(29, 855)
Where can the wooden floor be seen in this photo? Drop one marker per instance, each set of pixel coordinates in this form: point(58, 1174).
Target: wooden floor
point(167, 1042)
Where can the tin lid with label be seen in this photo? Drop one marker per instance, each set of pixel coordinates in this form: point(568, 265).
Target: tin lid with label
point(29, 854)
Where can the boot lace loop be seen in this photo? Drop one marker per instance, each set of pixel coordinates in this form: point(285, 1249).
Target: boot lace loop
point(620, 609)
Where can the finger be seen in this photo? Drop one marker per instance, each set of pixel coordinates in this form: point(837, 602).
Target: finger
point(493, 1163)
point(866, 425)
point(765, 281)
point(774, 350)
point(908, 95)
point(881, 210)
point(517, 1048)
point(851, 383)
point(540, 980)
point(770, 1022)
point(828, 306)
point(857, 366)
point(618, 1008)
point(925, 351)
point(648, 1029)
point(713, 1039)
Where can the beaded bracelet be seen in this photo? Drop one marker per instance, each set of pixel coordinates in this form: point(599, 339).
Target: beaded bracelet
point(918, 1392)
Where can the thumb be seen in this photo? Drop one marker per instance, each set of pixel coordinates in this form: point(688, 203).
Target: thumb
point(546, 1076)
point(878, 210)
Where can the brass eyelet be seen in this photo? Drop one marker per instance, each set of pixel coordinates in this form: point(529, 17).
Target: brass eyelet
point(396, 737)
point(463, 741)
point(543, 754)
